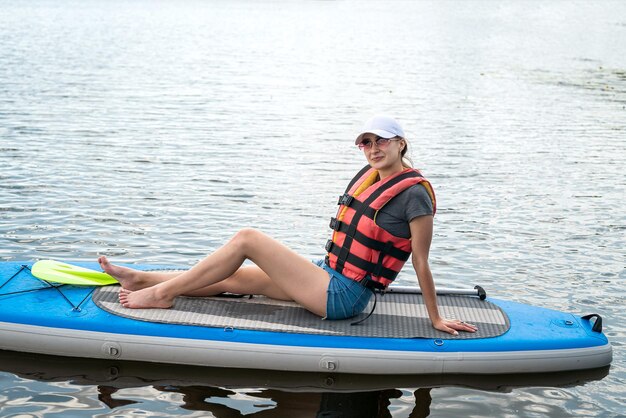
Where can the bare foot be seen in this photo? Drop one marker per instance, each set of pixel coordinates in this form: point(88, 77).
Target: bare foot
point(129, 279)
point(145, 298)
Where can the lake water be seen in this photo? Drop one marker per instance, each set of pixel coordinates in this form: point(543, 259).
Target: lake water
point(150, 131)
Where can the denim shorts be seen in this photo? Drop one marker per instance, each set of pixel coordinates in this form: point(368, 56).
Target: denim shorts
point(346, 297)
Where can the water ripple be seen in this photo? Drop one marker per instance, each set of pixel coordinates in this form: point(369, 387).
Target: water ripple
point(152, 132)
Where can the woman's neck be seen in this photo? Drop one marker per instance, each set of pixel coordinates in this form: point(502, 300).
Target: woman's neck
point(386, 172)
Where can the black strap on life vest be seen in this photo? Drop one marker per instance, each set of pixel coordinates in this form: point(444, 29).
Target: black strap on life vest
point(373, 268)
point(386, 247)
point(343, 254)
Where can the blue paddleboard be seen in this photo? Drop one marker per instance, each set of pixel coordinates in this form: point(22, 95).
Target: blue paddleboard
point(260, 333)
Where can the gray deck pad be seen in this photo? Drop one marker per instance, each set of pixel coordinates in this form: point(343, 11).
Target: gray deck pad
point(396, 315)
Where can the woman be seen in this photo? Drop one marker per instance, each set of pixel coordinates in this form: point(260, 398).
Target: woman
point(385, 216)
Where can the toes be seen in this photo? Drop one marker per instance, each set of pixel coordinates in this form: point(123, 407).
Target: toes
point(123, 297)
point(103, 262)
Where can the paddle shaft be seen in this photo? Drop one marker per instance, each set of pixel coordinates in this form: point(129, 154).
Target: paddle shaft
point(477, 291)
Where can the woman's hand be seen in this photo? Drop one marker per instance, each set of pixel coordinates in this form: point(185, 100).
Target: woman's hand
point(421, 236)
point(453, 326)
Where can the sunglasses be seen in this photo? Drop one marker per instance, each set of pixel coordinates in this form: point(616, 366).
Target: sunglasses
point(380, 142)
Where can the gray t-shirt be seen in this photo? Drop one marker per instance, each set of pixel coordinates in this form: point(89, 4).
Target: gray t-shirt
point(395, 216)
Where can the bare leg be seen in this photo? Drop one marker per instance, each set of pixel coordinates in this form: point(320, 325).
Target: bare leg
point(294, 276)
point(249, 280)
point(246, 280)
point(132, 279)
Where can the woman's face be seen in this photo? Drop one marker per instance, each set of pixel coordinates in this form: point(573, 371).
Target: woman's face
point(382, 153)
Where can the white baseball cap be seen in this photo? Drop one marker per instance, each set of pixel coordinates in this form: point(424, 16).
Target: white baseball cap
point(381, 125)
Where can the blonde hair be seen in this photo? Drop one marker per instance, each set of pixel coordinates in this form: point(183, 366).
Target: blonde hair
point(406, 160)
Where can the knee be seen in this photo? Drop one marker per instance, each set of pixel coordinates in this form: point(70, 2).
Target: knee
point(247, 238)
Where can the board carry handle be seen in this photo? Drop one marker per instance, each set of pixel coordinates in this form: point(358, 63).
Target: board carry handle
point(476, 291)
point(597, 325)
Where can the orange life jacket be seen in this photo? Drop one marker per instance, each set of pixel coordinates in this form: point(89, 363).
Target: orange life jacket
point(359, 248)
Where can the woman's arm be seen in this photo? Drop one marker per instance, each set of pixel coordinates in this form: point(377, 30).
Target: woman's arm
point(421, 237)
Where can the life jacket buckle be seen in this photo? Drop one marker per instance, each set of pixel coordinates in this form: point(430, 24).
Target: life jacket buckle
point(334, 224)
point(329, 245)
point(372, 284)
point(345, 199)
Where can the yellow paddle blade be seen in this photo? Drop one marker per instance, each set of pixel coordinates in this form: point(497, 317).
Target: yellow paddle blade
point(58, 272)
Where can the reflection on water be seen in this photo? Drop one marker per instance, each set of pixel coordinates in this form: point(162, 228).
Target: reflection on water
point(123, 387)
point(273, 403)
